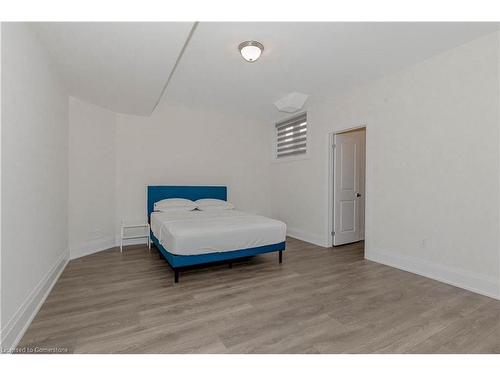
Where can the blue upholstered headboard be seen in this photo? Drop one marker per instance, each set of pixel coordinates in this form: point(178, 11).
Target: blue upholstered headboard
point(157, 193)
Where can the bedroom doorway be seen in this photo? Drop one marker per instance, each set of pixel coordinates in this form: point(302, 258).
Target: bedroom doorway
point(348, 186)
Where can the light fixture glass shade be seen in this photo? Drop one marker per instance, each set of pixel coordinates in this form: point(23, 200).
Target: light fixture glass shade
point(251, 50)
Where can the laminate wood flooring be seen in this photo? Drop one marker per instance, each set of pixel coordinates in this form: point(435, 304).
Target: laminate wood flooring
point(318, 301)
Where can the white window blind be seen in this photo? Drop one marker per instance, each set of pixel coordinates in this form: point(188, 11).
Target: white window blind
point(291, 136)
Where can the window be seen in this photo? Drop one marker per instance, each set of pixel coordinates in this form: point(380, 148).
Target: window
point(291, 136)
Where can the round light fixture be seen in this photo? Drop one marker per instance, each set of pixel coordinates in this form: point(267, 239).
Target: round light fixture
point(251, 50)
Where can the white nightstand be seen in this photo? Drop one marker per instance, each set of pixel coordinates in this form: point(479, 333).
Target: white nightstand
point(125, 226)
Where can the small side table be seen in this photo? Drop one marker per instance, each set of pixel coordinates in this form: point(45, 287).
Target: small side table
point(125, 226)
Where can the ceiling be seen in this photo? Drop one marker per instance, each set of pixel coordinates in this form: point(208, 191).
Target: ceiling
point(119, 66)
point(313, 58)
point(124, 66)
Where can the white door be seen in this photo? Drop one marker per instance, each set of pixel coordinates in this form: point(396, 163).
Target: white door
point(349, 187)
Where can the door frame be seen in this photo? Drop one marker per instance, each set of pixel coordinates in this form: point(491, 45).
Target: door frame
point(331, 178)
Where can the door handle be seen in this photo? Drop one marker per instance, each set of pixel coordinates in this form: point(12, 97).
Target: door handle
point(358, 195)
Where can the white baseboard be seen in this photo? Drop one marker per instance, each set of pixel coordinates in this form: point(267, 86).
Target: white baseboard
point(92, 247)
point(14, 330)
point(477, 283)
point(307, 237)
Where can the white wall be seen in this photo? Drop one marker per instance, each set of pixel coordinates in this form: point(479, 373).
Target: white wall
point(191, 146)
point(114, 157)
point(34, 178)
point(432, 167)
point(91, 178)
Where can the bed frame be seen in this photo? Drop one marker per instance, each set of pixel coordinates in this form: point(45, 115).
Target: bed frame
point(179, 262)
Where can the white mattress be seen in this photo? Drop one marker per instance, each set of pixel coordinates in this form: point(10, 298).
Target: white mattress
point(202, 232)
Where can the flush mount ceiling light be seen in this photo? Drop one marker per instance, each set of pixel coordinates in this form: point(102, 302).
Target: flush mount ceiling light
point(251, 50)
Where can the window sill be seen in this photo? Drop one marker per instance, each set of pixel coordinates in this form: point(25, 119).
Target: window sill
point(290, 159)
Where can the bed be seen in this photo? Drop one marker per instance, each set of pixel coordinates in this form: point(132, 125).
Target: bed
point(186, 239)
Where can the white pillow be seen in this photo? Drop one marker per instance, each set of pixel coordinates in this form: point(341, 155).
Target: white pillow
point(213, 204)
point(174, 204)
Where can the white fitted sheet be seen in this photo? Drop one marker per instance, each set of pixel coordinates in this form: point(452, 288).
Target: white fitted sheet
point(202, 232)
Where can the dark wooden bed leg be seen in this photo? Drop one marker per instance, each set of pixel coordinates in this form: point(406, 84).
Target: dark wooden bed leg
point(176, 276)
point(230, 265)
point(281, 256)
point(159, 254)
